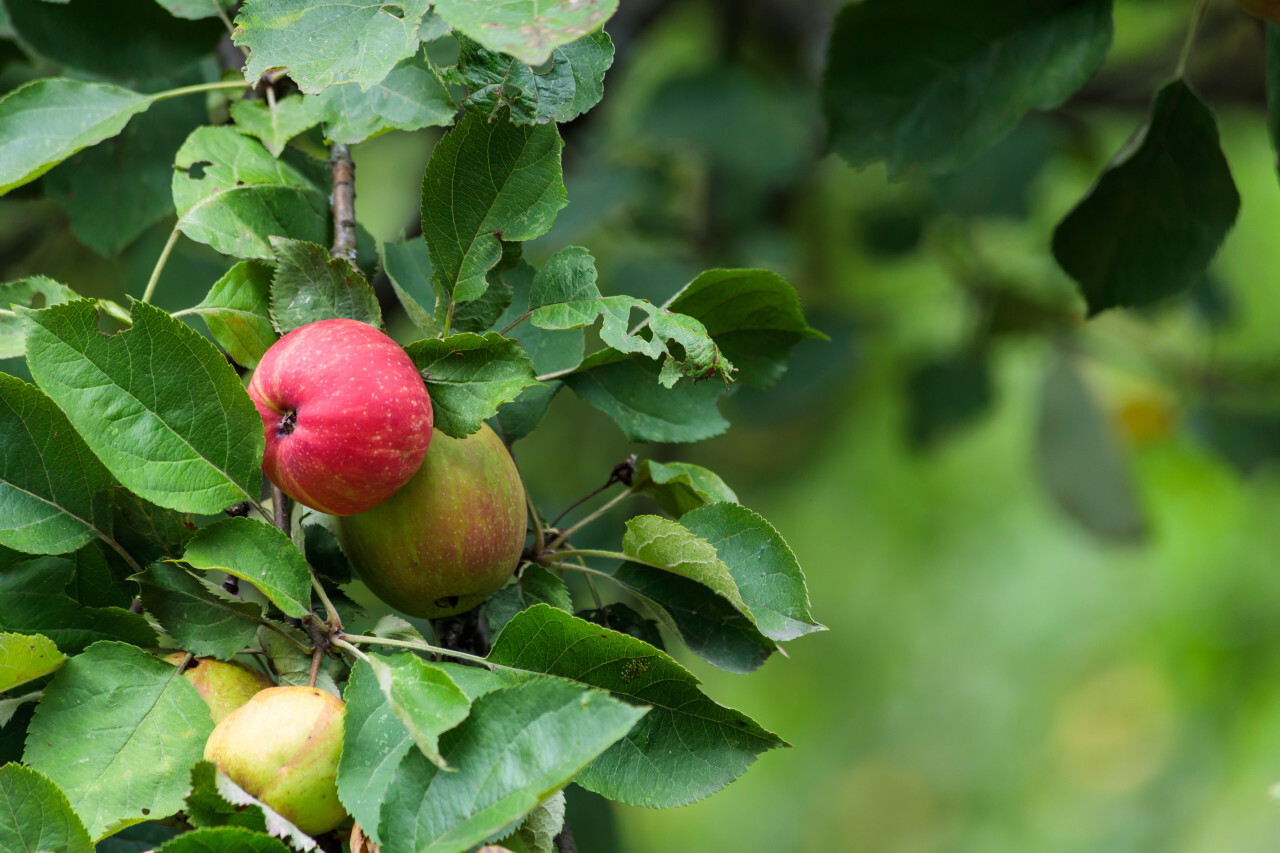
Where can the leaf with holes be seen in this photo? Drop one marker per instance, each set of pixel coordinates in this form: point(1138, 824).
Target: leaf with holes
point(233, 195)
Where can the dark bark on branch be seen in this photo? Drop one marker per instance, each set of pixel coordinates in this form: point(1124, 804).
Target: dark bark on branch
point(344, 202)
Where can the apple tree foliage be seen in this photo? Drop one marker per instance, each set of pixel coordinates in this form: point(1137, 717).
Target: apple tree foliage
point(117, 464)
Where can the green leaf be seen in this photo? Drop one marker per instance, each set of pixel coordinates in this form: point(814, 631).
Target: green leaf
point(34, 600)
point(310, 285)
point(680, 486)
point(114, 191)
point(764, 568)
point(256, 552)
point(621, 618)
point(1273, 83)
point(1082, 462)
point(469, 376)
point(519, 745)
point(565, 296)
point(408, 266)
point(26, 657)
point(373, 743)
point(927, 84)
point(754, 316)
point(1154, 220)
point(158, 404)
point(570, 87)
point(196, 9)
point(411, 97)
point(115, 713)
point(203, 621)
point(55, 496)
point(535, 585)
point(223, 839)
point(207, 807)
point(326, 42)
point(709, 625)
point(668, 545)
point(552, 351)
point(233, 195)
point(237, 312)
point(32, 292)
point(37, 815)
point(686, 748)
point(529, 31)
point(423, 698)
point(538, 830)
point(293, 667)
point(276, 124)
point(46, 121)
point(629, 392)
point(325, 554)
point(149, 532)
point(276, 824)
point(123, 39)
point(97, 581)
point(486, 178)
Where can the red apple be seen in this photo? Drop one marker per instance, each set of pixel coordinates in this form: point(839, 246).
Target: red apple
point(346, 415)
point(451, 537)
point(283, 747)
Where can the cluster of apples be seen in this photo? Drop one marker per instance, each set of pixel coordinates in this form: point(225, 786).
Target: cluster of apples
point(432, 524)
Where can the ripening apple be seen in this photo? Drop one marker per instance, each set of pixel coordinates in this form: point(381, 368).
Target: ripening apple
point(451, 537)
point(346, 415)
point(283, 746)
point(223, 686)
point(1267, 10)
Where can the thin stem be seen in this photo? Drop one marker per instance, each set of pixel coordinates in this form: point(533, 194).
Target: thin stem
point(423, 647)
point(267, 623)
point(613, 478)
point(556, 374)
point(201, 87)
point(564, 537)
point(5, 312)
point(539, 529)
point(604, 555)
point(160, 262)
point(185, 311)
point(330, 612)
point(1191, 37)
point(124, 555)
point(222, 13)
point(516, 322)
point(591, 585)
point(343, 644)
point(586, 570)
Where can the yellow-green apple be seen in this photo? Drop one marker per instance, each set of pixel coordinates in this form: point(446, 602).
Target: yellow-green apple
point(282, 746)
point(451, 537)
point(223, 686)
point(346, 415)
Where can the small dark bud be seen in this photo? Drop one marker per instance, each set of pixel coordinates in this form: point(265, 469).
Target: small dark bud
point(238, 510)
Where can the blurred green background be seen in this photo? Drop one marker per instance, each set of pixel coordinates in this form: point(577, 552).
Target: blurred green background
point(1033, 646)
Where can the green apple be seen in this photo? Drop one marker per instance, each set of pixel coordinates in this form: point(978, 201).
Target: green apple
point(223, 686)
point(282, 746)
point(450, 537)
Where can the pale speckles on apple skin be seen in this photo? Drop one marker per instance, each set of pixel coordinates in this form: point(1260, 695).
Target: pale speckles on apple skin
point(355, 443)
